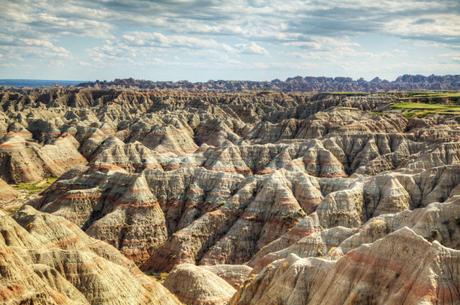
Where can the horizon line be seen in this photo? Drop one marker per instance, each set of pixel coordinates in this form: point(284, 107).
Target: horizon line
point(229, 80)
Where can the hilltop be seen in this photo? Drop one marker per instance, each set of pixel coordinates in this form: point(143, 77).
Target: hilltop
point(298, 83)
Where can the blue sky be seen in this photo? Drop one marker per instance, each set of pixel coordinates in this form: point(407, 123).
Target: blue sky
point(233, 39)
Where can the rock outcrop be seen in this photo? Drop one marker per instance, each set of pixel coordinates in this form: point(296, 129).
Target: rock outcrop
point(195, 285)
point(46, 259)
point(401, 268)
point(22, 160)
point(7, 193)
point(276, 197)
point(235, 275)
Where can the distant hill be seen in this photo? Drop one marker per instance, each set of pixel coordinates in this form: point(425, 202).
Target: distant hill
point(298, 83)
point(34, 83)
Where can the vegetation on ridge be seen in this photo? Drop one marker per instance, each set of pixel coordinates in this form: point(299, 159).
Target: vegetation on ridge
point(449, 97)
point(411, 109)
point(35, 187)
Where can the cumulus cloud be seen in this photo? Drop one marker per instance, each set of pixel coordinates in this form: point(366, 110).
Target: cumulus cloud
point(46, 18)
point(159, 40)
point(233, 31)
point(441, 27)
point(251, 48)
point(144, 46)
point(321, 44)
point(273, 19)
point(14, 48)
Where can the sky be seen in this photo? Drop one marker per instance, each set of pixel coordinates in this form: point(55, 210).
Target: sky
point(231, 39)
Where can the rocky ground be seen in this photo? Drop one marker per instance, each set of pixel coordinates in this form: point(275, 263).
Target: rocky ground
point(242, 198)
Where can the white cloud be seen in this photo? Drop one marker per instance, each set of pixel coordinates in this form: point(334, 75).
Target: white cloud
point(159, 40)
point(23, 48)
point(143, 46)
point(343, 44)
point(252, 48)
point(436, 25)
point(221, 33)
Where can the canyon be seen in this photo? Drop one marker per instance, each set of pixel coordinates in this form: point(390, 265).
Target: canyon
point(246, 197)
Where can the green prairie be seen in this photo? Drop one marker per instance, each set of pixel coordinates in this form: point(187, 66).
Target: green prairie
point(411, 109)
point(449, 97)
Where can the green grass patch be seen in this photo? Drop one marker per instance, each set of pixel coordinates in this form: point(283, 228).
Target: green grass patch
point(430, 97)
point(434, 94)
point(411, 109)
point(34, 187)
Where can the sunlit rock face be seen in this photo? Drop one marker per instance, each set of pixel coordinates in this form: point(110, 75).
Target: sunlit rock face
point(7, 193)
point(46, 259)
point(400, 268)
point(196, 285)
point(253, 197)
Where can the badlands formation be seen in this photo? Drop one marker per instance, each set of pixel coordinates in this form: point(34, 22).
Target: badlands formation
point(257, 198)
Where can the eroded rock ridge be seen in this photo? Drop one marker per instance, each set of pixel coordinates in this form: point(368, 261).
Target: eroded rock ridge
point(250, 197)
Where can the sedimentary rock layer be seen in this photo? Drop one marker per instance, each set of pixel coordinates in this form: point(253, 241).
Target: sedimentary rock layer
point(401, 268)
point(46, 259)
point(195, 285)
point(280, 197)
